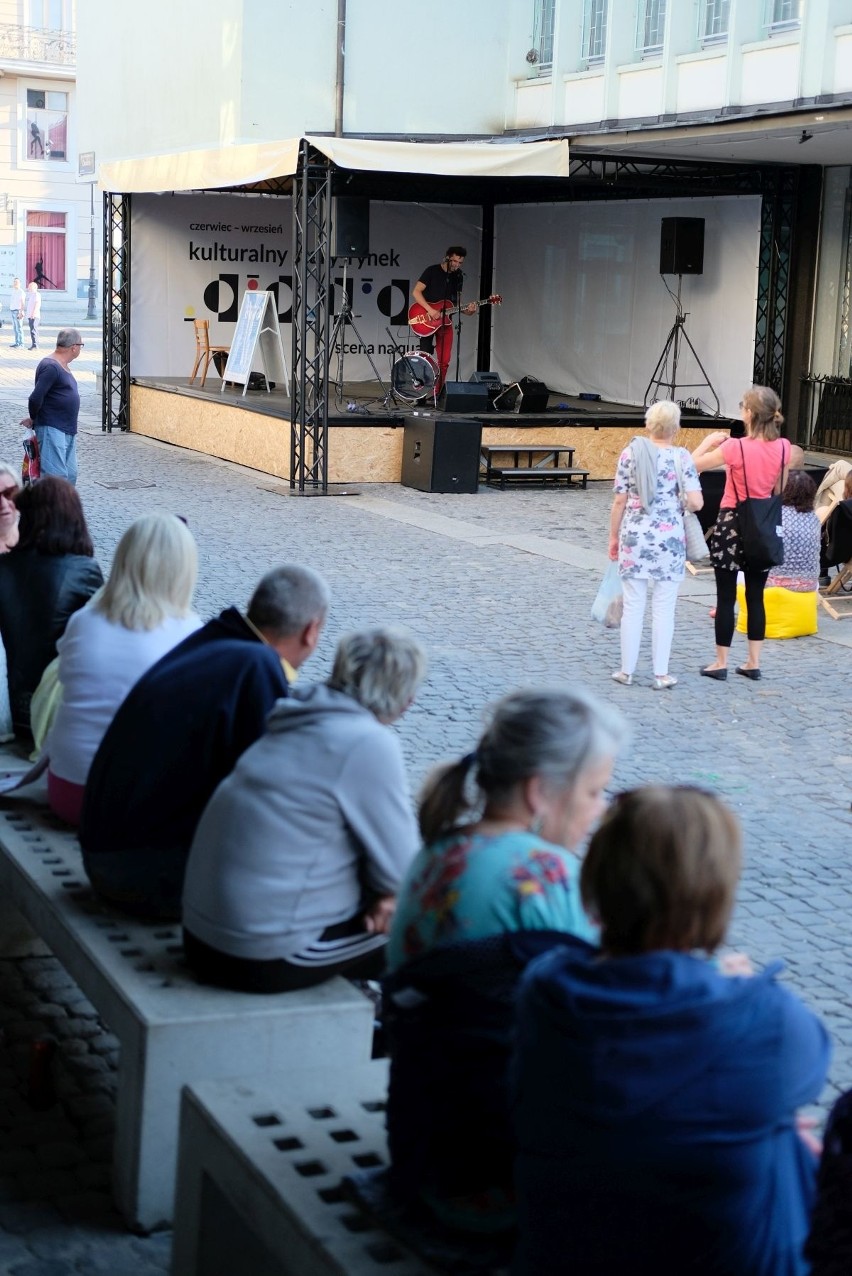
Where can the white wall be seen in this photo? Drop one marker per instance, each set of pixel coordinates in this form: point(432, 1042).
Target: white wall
point(834, 241)
point(585, 308)
point(175, 76)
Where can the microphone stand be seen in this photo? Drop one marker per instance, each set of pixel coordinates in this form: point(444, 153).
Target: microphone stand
point(459, 325)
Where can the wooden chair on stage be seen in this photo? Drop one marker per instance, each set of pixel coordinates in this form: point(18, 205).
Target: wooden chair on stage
point(836, 598)
point(204, 352)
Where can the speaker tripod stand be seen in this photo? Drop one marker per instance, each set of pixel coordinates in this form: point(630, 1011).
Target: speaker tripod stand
point(665, 373)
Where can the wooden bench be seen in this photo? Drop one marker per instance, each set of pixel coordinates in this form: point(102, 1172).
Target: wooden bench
point(546, 471)
point(259, 1180)
point(171, 1029)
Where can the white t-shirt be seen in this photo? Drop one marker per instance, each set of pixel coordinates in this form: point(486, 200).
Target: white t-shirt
point(98, 664)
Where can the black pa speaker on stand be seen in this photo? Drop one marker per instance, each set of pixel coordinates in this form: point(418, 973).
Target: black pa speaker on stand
point(351, 222)
point(441, 454)
point(682, 246)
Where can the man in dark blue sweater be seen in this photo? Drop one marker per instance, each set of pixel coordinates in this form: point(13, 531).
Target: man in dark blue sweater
point(181, 730)
point(54, 406)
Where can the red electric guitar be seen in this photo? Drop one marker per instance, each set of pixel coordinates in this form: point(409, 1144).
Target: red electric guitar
point(419, 321)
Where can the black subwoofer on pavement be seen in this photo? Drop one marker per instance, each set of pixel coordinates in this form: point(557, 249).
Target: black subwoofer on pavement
point(441, 454)
point(682, 246)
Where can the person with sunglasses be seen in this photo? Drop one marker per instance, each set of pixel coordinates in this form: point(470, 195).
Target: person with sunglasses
point(54, 407)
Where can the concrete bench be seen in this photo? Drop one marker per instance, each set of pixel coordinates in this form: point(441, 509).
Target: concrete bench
point(171, 1029)
point(259, 1180)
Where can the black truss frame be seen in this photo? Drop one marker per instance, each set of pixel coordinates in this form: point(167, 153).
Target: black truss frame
point(591, 177)
point(116, 325)
point(777, 225)
point(312, 306)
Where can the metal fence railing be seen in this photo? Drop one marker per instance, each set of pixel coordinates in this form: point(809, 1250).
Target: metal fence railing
point(826, 413)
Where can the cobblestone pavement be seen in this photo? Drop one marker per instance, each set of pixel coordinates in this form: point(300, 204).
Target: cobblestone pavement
point(499, 586)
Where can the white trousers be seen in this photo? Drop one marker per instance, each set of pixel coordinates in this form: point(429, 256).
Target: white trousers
point(663, 600)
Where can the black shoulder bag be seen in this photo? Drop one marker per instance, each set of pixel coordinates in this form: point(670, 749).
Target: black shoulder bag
point(760, 526)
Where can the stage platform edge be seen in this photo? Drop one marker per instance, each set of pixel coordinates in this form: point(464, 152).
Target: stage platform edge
point(364, 449)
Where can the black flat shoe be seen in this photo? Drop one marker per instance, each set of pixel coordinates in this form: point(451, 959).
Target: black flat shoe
point(720, 675)
point(754, 674)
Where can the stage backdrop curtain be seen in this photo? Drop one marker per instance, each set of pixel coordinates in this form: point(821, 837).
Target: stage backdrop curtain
point(195, 256)
point(585, 308)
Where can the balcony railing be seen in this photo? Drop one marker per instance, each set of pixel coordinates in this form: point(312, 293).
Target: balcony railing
point(826, 413)
point(36, 44)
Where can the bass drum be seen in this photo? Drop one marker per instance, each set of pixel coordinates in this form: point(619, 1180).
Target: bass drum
point(414, 376)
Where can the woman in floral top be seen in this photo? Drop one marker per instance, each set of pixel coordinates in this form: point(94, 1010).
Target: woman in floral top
point(799, 571)
point(496, 880)
point(646, 535)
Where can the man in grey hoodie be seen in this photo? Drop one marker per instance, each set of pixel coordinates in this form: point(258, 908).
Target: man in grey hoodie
point(297, 860)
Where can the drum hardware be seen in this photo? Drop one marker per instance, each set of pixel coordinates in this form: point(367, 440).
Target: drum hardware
point(415, 376)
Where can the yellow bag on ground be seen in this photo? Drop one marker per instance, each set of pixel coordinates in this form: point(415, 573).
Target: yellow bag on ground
point(788, 615)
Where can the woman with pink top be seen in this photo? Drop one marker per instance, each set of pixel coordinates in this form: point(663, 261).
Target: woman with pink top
point(755, 466)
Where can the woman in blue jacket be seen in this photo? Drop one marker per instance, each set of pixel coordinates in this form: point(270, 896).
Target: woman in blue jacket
point(655, 1096)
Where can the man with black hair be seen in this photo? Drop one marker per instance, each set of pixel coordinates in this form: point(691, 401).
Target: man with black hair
point(438, 290)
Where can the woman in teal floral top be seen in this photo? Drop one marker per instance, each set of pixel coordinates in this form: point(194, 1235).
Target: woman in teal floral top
point(646, 536)
point(496, 880)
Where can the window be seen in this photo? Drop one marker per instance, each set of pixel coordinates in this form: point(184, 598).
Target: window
point(650, 26)
point(46, 249)
point(541, 53)
point(46, 129)
point(715, 15)
point(783, 15)
point(594, 30)
point(50, 15)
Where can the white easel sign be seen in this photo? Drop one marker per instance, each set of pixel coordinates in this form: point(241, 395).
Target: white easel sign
point(257, 329)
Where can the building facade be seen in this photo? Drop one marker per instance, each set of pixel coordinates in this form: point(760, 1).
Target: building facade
point(45, 209)
point(657, 97)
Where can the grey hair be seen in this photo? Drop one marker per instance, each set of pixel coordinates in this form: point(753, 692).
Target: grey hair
point(14, 471)
point(381, 668)
point(287, 599)
point(553, 733)
point(663, 419)
point(68, 337)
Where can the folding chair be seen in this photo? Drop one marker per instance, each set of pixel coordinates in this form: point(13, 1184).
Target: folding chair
point(836, 598)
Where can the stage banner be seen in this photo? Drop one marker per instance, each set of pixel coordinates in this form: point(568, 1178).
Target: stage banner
point(194, 256)
point(591, 313)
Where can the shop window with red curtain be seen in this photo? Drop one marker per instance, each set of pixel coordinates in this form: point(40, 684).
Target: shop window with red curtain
point(46, 249)
point(46, 125)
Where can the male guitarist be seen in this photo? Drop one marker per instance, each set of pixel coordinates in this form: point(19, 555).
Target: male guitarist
point(438, 289)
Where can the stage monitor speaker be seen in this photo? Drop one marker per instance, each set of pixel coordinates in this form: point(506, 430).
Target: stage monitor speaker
point(534, 395)
point(464, 396)
point(351, 222)
point(488, 378)
point(441, 454)
point(682, 246)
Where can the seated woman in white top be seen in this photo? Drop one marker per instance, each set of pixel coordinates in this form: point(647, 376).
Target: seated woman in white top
point(141, 613)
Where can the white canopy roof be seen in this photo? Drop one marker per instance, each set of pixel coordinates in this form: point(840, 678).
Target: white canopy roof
point(247, 163)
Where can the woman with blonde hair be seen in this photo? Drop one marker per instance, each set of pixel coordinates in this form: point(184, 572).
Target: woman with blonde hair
point(653, 482)
point(755, 466)
point(656, 1090)
point(143, 611)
